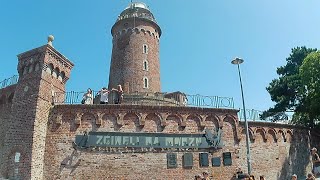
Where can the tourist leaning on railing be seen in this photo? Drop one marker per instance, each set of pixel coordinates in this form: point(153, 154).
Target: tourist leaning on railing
point(103, 94)
point(87, 97)
point(119, 94)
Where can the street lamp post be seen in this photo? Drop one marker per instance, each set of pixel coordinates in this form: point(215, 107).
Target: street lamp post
point(238, 61)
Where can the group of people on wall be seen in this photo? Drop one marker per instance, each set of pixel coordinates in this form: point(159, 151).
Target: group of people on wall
point(102, 96)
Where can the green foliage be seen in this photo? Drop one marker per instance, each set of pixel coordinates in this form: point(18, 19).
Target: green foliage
point(310, 75)
point(297, 88)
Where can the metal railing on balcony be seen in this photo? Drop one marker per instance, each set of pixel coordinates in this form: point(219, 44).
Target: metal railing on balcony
point(209, 101)
point(161, 99)
point(10, 81)
point(254, 115)
point(170, 99)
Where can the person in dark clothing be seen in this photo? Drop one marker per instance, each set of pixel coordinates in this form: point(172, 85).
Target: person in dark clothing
point(119, 97)
point(315, 161)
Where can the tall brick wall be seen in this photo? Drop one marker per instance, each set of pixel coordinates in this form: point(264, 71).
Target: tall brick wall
point(43, 134)
point(20, 127)
point(6, 96)
point(277, 150)
point(42, 71)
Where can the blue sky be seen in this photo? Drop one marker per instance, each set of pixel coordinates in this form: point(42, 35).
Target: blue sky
point(199, 40)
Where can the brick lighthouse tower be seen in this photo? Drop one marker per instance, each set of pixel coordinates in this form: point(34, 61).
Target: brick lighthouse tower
point(135, 53)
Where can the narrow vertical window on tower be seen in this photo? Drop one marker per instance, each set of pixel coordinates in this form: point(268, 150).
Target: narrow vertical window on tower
point(145, 82)
point(16, 166)
point(17, 157)
point(145, 49)
point(145, 65)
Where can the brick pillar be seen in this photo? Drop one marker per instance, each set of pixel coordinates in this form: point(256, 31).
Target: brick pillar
point(43, 71)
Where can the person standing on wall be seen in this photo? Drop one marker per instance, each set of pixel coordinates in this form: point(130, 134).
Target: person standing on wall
point(119, 97)
point(316, 162)
point(87, 97)
point(104, 93)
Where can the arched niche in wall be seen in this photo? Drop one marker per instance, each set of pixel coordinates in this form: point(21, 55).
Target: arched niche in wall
point(25, 70)
point(272, 136)
point(282, 136)
point(193, 124)
point(61, 76)
point(31, 67)
point(109, 122)
point(289, 136)
point(131, 123)
point(212, 122)
point(136, 30)
point(88, 122)
point(37, 66)
point(153, 123)
point(251, 135)
point(68, 120)
point(56, 72)
point(173, 122)
point(229, 130)
point(260, 135)
point(49, 68)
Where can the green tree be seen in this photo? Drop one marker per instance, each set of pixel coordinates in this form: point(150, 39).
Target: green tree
point(291, 90)
point(309, 73)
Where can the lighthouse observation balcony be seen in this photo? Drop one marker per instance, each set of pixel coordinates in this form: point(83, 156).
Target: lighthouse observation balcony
point(175, 99)
point(155, 99)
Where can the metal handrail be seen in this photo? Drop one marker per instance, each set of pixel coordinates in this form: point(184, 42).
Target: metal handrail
point(178, 99)
point(255, 115)
point(9, 81)
point(161, 99)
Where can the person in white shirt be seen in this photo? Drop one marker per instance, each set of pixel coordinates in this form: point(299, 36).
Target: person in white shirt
point(87, 97)
point(104, 93)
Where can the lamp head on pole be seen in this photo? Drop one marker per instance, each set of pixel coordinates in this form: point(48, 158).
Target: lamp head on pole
point(237, 61)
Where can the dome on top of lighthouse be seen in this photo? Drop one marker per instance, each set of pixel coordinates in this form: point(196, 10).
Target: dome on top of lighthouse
point(138, 5)
point(137, 10)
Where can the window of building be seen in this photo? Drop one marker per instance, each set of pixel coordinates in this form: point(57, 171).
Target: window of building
point(49, 68)
point(37, 67)
point(10, 98)
point(30, 68)
point(145, 49)
point(61, 76)
point(145, 82)
point(145, 65)
point(17, 157)
point(25, 70)
point(56, 72)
